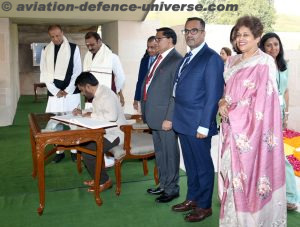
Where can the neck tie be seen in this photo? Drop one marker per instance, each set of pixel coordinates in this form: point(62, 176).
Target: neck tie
point(150, 75)
point(151, 60)
point(186, 61)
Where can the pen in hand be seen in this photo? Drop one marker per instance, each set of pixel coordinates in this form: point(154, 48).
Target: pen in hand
point(77, 111)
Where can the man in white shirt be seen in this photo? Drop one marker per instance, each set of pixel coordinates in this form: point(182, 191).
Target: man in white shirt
point(157, 106)
point(198, 88)
point(104, 64)
point(60, 65)
point(145, 64)
point(106, 107)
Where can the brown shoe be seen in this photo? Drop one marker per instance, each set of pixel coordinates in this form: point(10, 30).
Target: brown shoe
point(102, 187)
point(291, 206)
point(184, 206)
point(198, 214)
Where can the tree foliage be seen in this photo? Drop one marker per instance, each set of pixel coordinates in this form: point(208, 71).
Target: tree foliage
point(263, 9)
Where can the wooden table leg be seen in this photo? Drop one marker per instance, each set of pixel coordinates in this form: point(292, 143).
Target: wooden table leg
point(33, 151)
point(41, 175)
point(99, 159)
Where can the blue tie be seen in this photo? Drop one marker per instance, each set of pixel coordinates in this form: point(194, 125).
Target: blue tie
point(151, 60)
point(186, 61)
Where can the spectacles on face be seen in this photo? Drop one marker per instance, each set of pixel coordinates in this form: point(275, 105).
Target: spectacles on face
point(157, 39)
point(193, 31)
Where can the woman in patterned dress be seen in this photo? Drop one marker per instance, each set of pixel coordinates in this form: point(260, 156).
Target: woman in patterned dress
point(251, 158)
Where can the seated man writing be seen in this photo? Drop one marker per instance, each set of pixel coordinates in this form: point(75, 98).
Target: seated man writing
point(106, 106)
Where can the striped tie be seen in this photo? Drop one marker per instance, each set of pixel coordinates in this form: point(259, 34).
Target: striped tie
point(150, 75)
point(187, 58)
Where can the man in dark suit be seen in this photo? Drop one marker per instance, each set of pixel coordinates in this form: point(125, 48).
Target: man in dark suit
point(198, 88)
point(146, 62)
point(157, 106)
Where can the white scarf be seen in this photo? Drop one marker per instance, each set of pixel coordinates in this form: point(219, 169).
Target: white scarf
point(48, 72)
point(101, 64)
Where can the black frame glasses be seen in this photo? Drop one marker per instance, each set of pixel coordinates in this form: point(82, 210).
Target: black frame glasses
point(193, 31)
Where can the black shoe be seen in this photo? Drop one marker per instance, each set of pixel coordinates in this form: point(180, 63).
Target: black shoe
point(74, 157)
point(164, 198)
point(155, 191)
point(58, 158)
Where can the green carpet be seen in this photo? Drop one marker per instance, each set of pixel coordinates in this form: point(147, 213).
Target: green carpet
point(67, 202)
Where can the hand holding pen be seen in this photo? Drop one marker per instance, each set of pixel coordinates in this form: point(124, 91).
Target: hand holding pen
point(77, 111)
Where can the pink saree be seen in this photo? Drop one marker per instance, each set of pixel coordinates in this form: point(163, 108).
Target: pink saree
point(251, 160)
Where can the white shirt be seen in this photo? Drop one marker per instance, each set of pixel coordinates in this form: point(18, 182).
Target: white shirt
point(163, 55)
point(118, 72)
point(77, 69)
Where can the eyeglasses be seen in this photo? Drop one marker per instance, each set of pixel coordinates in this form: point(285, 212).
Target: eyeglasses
point(157, 39)
point(193, 31)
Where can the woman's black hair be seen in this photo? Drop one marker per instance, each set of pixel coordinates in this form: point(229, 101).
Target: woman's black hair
point(280, 61)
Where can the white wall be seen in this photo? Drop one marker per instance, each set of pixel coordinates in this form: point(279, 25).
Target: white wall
point(128, 39)
point(9, 73)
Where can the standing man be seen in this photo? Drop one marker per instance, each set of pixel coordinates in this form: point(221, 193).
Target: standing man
point(60, 65)
point(102, 63)
point(198, 88)
point(146, 62)
point(157, 106)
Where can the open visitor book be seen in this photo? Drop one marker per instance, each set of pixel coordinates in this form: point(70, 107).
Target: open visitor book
point(87, 122)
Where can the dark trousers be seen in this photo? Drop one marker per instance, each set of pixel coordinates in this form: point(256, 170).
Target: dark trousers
point(167, 159)
point(90, 160)
point(199, 169)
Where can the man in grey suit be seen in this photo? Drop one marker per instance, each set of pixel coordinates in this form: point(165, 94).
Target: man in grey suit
point(157, 106)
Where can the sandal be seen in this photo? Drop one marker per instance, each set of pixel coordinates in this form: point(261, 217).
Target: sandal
point(89, 183)
point(291, 206)
point(102, 187)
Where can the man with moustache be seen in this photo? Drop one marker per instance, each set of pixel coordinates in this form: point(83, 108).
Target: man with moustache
point(60, 66)
point(198, 88)
point(146, 62)
point(157, 106)
point(102, 63)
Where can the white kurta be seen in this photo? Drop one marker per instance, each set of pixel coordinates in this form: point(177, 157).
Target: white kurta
point(71, 101)
point(117, 70)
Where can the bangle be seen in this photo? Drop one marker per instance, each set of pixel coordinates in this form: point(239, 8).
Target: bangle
point(287, 113)
point(221, 100)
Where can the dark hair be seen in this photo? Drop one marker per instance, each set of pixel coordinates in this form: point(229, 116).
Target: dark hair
point(151, 38)
point(92, 34)
point(281, 63)
point(169, 33)
point(202, 22)
point(232, 39)
point(251, 22)
point(53, 26)
point(227, 51)
point(86, 78)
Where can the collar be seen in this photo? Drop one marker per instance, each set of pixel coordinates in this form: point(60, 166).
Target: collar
point(164, 54)
point(197, 50)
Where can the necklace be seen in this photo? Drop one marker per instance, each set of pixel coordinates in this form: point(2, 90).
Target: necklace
point(243, 59)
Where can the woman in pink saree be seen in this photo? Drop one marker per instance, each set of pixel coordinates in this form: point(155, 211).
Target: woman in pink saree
point(251, 176)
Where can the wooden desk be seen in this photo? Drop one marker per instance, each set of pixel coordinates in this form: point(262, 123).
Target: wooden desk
point(44, 131)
